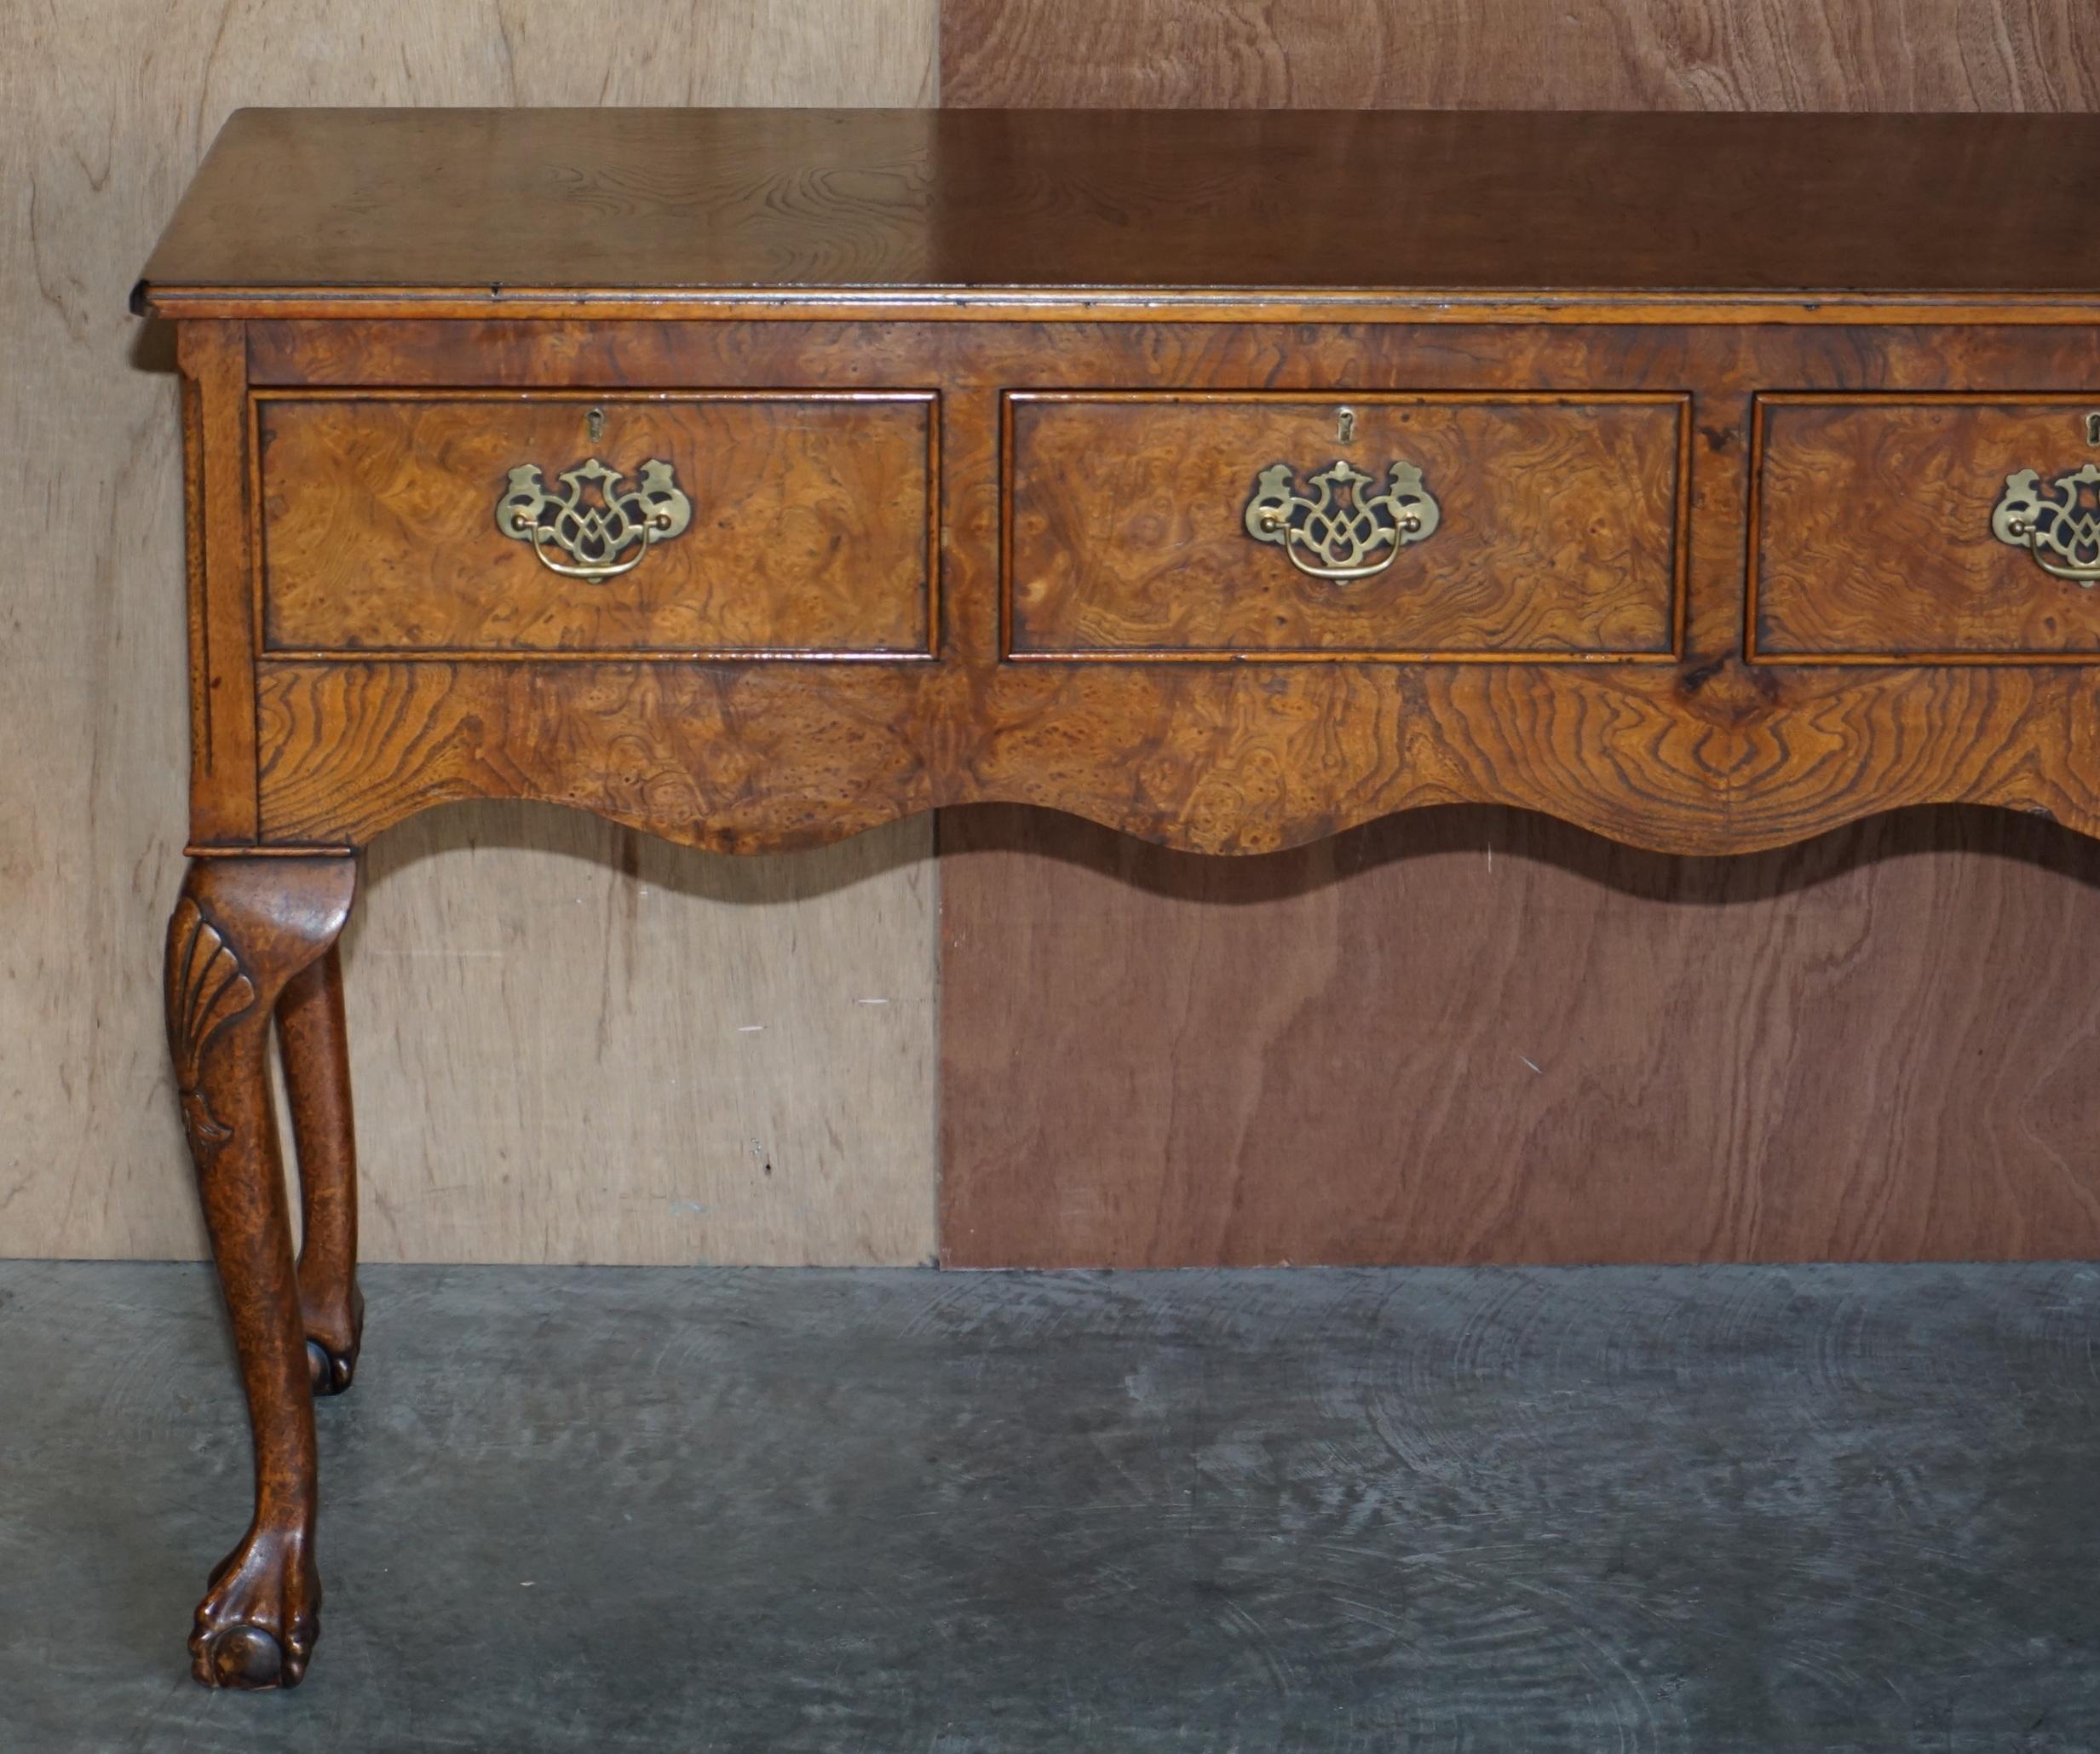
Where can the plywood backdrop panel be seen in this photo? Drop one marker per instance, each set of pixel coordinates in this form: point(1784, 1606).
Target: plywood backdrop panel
point(1603, 54)
point(568, 1045)
point(1472, 1035)
point(1483, 1037)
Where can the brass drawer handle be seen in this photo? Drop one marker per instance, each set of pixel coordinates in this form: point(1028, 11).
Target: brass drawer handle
point(2063, 521)
point(1342, 524)
point(593, 534)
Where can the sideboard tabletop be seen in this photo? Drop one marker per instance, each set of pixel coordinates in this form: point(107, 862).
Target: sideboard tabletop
point(320, 210)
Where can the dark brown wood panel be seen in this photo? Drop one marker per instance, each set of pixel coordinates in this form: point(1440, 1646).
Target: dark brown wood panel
point(811, 525)
point(1476, 1036)
point(1606, 54)
point(1874, 534)
point(370, 211)
point(1558, 525)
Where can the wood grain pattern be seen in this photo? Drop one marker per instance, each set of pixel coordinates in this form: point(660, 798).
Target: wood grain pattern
point(812, 528)
point(241, 930)
point(1605, 55)
point(757, 1035)
point(502, 915)
point(733, 759)
point(314, 1043)
point(1215, 760)
point(913, 214)
point(1469, 1036)
point(1874, 533)
point(223, 634)
point(1558, 530)
point(1703, 753)
point(1246, 992)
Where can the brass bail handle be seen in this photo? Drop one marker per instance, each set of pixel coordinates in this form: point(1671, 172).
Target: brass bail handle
point(595, 533)
point(1338, 529)
point(542, 536)
point(2059, 524)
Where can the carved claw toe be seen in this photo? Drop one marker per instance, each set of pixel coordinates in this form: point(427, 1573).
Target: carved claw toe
point(256, 1627)
point(330, 1371)
point(334, 1336)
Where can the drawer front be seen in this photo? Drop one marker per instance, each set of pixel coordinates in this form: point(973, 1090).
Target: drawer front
point(1247, 526)
point(763, 526)
point(1916, 528)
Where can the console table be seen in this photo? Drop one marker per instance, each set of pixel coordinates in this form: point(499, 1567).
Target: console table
point(753, 478)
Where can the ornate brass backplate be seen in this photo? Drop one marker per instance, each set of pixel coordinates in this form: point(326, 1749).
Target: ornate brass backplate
point(1334, 531)
point(2063, 520)
point(593, 533)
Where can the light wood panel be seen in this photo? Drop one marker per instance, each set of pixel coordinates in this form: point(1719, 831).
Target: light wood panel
point(1571, 54)
point(750, 1078)
point(1878, 1044)
point(576, 1043)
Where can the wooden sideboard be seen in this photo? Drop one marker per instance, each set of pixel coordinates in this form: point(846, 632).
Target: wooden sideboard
point(753, 478)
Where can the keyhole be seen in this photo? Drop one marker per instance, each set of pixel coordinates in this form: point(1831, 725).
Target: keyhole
point(2092, 428)
point(594, 423)
point(1345, 426)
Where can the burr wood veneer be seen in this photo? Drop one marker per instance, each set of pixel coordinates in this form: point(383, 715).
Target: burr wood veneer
point(753, 478)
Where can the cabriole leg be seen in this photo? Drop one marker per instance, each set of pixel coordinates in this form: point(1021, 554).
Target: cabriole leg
point(317, 1083)
point(243, 928)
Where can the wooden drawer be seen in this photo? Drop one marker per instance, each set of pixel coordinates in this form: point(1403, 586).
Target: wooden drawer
point(807, 525)
point(1191, 526)
point(1877, 540)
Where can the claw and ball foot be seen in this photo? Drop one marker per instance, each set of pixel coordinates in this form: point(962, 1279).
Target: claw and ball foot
point(255, 1627)
point(243, 931)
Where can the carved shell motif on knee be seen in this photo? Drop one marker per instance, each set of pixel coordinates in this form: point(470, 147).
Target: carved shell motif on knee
point(207, 989)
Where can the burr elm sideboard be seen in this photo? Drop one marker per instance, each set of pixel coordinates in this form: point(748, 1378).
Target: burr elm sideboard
point(752, 478)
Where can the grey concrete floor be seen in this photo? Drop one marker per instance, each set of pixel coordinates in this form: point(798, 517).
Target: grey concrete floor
point(615, 1510)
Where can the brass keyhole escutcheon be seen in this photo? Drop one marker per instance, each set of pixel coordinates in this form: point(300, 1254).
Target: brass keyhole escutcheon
point(594, 424)
point(1345, 425)
point(2092, 428)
